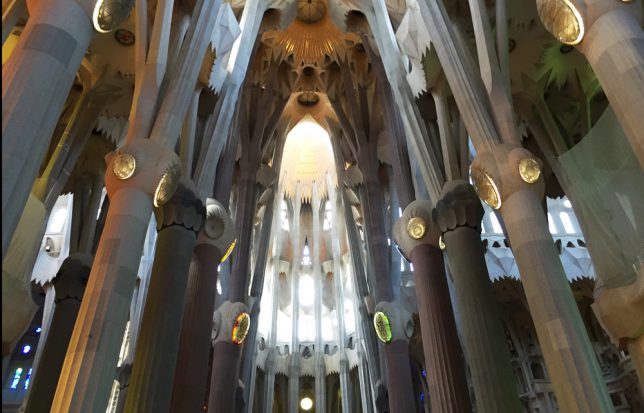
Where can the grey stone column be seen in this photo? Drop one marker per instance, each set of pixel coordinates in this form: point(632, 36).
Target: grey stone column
point(191, 374)
point(36, 80)
point(69, 286)
point(509, 179)
point(178, 222)
point(90, 364)
point(418, 238)
point(458, 215)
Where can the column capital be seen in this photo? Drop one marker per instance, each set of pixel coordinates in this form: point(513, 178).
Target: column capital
point(506, 169)
point(416, 227)
point(146, 166)
point(72, 276)
point(219, 229)
point(393, 322)
point(458, 206)
point(619, 310)
point(231, 323)
point(184, 209)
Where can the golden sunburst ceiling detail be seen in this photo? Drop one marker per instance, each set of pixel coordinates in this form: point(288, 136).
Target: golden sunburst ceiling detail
point(310, 42)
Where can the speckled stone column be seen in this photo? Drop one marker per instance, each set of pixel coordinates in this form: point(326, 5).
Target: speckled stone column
point(224, 378)
point(458, 215)
point(69, 286)
point(502, 178)
point(191, 374)
point(90, 364)
point(418, 237)
point(36, 80)
point(178, 222)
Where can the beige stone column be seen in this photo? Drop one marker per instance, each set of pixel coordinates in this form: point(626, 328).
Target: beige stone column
point(36, 80)
point(458, 215)
point(609, 33)
point(417, 237)
point(619, 311)
point(178, 222)
point(138, 175)
point(509, 180)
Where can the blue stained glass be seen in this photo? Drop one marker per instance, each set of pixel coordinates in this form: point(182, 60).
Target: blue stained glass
point(27, 379)
point(16, 378)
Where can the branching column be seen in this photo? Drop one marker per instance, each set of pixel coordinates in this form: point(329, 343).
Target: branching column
point(612, 43)
point(458, 215)
point(90, 363)
point(191, 374)
point(178, 222)
point(318, 276)
point(418, 237)
point(37, 78)
point(509, 179)
point(294, 362)
point(69, 286)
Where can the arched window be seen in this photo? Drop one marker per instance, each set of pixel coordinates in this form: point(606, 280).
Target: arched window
point(27, 379)
point(306, 255)
point(57, 221)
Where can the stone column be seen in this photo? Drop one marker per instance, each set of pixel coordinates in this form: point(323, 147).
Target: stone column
point(137, 175)
point(294, 362)
point(396, 355)
point(458, 215)
point(612, 40)
point(417, 237)
point(224, 377)
point(36, 80)
point(178, 222)
point(69, 286)
point(191, 374)
point(509, 179)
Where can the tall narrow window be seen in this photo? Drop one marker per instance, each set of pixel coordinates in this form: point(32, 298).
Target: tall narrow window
point(284, 215)
point(16, 378)
point(551, 224)
point(496, 226)
point(327, 216)
point(27, 379)
point(306, 255)
point(567, 223)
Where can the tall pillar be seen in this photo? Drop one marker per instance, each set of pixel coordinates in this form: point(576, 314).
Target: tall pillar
point(458, 215)
point(229, 333)
point(509, 180)
point(610, 35)
point(69, 286)
point(191, 374)
point(294, 361)
point(36, 80)
point(318, 277)
point(138, 174)
point(418, 237)
point(178, 222)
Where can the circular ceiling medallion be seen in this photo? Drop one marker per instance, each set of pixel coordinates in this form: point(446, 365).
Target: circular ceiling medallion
point(124, 37)
point(310, 11)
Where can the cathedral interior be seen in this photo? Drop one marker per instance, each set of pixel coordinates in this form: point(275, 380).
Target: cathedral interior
point(322, 206)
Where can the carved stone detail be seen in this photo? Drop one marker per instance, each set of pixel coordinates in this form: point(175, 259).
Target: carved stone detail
point(184, 208)
point(459, 206)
